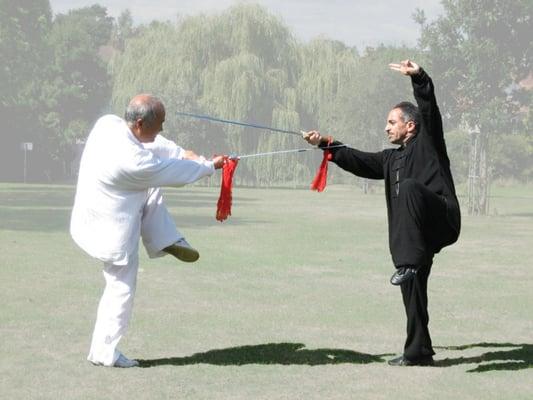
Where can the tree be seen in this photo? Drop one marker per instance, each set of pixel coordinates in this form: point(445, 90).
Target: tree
point(241, 64)
point(24, 27)
point(79, 85)
point(55, 82)
point(327, 66)
point(123, 29)
point(479, 51)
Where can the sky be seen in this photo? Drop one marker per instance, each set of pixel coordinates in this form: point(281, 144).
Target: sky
point(356, 22)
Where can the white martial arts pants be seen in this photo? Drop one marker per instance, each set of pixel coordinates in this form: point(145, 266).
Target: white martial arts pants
point(158, 231)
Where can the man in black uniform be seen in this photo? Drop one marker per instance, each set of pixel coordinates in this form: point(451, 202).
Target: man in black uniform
point(423, 211)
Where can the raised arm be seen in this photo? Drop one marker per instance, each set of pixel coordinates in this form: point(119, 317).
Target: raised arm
point(424, 93)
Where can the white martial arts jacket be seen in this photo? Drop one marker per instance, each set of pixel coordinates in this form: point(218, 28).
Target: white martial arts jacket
point(116, 172)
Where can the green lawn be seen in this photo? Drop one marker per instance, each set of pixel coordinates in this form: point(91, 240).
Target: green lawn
point(290, 300)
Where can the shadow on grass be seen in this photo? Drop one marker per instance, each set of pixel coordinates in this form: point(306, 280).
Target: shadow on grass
point(271, 353)
point(520, 356)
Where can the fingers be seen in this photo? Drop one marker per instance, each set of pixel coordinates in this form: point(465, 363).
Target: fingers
point(308, 134)
point(402, 66)
point(395, 67)
point(218, 161)
point(312, 137)
point(415, 66)
point(406, 67)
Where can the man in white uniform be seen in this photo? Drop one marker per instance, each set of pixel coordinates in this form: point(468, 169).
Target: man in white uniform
point(118, 201)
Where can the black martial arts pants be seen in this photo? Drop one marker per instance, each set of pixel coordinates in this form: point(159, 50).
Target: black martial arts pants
point(415, 300)
point(421, 225)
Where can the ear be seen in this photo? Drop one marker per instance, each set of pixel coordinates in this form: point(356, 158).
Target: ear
point(411, 126)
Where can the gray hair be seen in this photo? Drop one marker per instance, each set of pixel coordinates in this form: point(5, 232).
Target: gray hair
point(145, 110)
point(409, 112)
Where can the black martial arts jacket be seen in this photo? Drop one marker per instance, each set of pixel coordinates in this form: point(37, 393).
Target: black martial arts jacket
point(423, 158)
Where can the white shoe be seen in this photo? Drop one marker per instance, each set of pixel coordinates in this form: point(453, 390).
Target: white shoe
point(183, 251)
point(121, 362)
point(125, 362)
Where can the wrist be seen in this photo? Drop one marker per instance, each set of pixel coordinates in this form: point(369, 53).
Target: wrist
point(420, 77)
point(327, 139)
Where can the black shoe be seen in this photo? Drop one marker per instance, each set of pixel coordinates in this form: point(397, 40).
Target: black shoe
point(402, 274)
point(183, 251)
point(426, 361)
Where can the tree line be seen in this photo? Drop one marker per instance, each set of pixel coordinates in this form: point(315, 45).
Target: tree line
point(61, 72)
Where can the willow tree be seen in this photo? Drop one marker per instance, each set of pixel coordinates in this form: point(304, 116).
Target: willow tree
point(240, 64)
point(253, 67)
point(328, 67)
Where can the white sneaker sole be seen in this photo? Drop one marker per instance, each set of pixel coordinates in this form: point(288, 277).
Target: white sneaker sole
point(129, 364)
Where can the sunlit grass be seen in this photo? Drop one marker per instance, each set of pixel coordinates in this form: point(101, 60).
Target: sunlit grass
point(290, 299)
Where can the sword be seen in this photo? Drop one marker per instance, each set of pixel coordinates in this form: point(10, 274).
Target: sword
point(268, 153)
point(227, 121)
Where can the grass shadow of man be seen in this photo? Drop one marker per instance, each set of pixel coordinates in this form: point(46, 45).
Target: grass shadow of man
point(511, 357)
point(271, 353)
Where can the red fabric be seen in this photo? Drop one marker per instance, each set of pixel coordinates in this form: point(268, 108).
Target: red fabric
point(319, 183)
point(224, 200)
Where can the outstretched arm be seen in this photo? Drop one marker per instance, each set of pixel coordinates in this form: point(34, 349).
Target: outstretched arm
point(360, 163)
point(424, 93)
point(167, 149)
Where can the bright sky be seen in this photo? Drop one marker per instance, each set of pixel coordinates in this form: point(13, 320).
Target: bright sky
point(354, 22)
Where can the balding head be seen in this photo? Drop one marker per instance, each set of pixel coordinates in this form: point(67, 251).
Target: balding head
point(145, 115)
point(144, 107)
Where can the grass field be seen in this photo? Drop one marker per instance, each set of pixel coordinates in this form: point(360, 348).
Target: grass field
point(289, 300)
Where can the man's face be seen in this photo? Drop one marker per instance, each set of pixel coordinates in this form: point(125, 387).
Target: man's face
point(148, 132)
point(398, 131)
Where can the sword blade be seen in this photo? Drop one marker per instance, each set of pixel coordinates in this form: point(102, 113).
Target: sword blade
point(268, 153)
point(227, 121)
